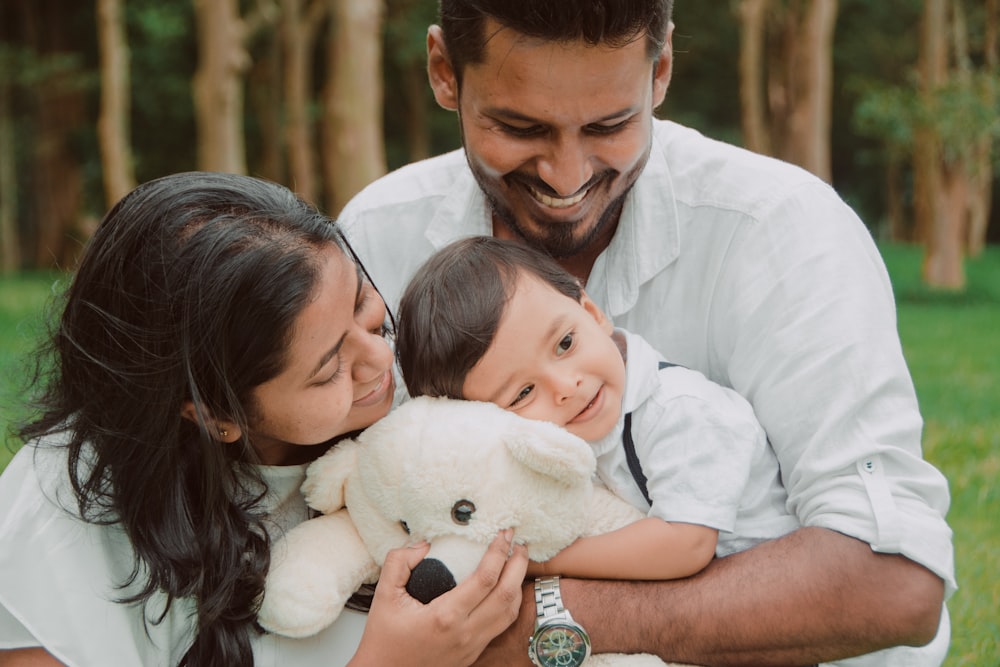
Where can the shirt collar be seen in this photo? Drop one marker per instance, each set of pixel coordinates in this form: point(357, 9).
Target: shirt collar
point(463, 212)
point(648, 220)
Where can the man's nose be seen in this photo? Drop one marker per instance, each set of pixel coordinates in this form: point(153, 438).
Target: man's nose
point(565, 166)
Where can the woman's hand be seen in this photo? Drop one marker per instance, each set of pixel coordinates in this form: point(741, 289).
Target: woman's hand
point(452, 629)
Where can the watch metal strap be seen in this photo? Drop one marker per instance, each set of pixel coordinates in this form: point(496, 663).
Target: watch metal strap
point(548, 599)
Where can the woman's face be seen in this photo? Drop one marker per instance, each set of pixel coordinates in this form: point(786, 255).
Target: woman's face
point(338, 376)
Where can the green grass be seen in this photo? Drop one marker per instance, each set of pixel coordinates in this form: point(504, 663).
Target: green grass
point(952, 343)
point(23, 302)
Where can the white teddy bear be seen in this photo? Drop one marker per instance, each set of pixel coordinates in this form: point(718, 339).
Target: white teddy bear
point(453, 473)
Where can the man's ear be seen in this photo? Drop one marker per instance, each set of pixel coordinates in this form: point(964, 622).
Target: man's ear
point(602, 320)
point(223, 430)
point(663, 68)
point(444, 83)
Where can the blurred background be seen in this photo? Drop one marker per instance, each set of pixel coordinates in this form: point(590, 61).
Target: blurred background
point(896, 103)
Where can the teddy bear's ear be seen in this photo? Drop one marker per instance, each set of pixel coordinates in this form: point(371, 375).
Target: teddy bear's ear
point(549, 450)
point(327, 475)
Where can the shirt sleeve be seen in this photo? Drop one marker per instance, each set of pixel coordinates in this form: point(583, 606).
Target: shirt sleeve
point(809, 329)
point(697, 442)
point(57, 587)
point(58, 574)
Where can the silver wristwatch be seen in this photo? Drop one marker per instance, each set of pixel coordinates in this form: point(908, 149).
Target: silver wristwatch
point(558, 640)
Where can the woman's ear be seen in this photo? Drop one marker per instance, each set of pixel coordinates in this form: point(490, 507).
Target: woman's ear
point(602, 320)
point(223, 430)
point(442, 77)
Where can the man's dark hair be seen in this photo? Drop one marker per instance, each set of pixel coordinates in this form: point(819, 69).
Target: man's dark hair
point(612, 22)
point(451, 309)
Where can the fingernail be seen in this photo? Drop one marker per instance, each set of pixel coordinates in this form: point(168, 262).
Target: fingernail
point(419, 545)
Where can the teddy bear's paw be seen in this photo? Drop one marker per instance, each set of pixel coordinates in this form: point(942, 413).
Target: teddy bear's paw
point(315, 568)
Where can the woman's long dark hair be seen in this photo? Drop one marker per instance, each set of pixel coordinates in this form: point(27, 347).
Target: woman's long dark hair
point(187, 292)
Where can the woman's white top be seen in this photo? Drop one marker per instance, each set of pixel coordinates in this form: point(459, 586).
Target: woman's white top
point(58, 579)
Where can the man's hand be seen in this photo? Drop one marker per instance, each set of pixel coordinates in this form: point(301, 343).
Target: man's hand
point(812, 596)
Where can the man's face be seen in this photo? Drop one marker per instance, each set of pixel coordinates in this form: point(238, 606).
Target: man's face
point(555, 133)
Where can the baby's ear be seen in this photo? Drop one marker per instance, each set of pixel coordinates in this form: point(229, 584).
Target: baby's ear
point(549, 450)
point(602, 320)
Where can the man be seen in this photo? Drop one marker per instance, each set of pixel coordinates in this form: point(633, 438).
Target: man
point(744, 268)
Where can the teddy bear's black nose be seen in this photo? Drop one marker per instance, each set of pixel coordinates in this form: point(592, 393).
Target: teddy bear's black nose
point(429, 579)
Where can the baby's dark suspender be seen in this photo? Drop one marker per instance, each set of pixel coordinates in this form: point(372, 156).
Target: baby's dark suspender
point(631, 457)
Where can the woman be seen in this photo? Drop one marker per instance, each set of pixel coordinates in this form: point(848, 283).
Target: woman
point(218, 335)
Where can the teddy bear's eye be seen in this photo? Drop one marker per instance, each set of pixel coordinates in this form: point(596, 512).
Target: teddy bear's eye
point(405, 527)
point(462, 511)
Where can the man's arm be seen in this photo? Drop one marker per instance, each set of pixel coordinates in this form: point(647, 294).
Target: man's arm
point(812, 596)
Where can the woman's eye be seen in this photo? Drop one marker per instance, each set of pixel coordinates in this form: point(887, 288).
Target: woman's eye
point(333, 378)
point(462, 511)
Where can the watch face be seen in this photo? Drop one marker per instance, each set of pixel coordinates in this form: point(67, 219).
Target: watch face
point(560, 645)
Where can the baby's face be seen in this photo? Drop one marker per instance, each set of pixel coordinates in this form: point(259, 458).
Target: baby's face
point(552, 359)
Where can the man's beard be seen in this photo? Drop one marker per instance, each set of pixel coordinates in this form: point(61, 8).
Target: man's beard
point(557, 240)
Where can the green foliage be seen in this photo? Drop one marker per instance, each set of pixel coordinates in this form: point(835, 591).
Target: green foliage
point(950, 344)
point(163, 54)
point(887, 114)
point(704, 89)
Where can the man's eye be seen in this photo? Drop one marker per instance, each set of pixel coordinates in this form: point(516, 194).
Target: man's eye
point(515, 131)
point(608, 129)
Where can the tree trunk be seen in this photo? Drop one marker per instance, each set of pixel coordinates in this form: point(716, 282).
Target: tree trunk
point(936, 226)
point(981, 197)
point(353, 143)
point(113, 122)
point(898, 231)
point(753, 110)
point(418, 136)
point(59, 115)
point(800, 82)
point(10, 240)
point(808, 143)
point(218, 86)
point(943, 265)
point(264, 84)
point(299, 29)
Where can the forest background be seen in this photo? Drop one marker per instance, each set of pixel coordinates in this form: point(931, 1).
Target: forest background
point(895, 102)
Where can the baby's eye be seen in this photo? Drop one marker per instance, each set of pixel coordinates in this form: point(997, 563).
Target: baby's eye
point(523, 394)
point(565, 344)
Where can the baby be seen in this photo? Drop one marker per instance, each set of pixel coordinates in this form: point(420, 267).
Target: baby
point(492, 320)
